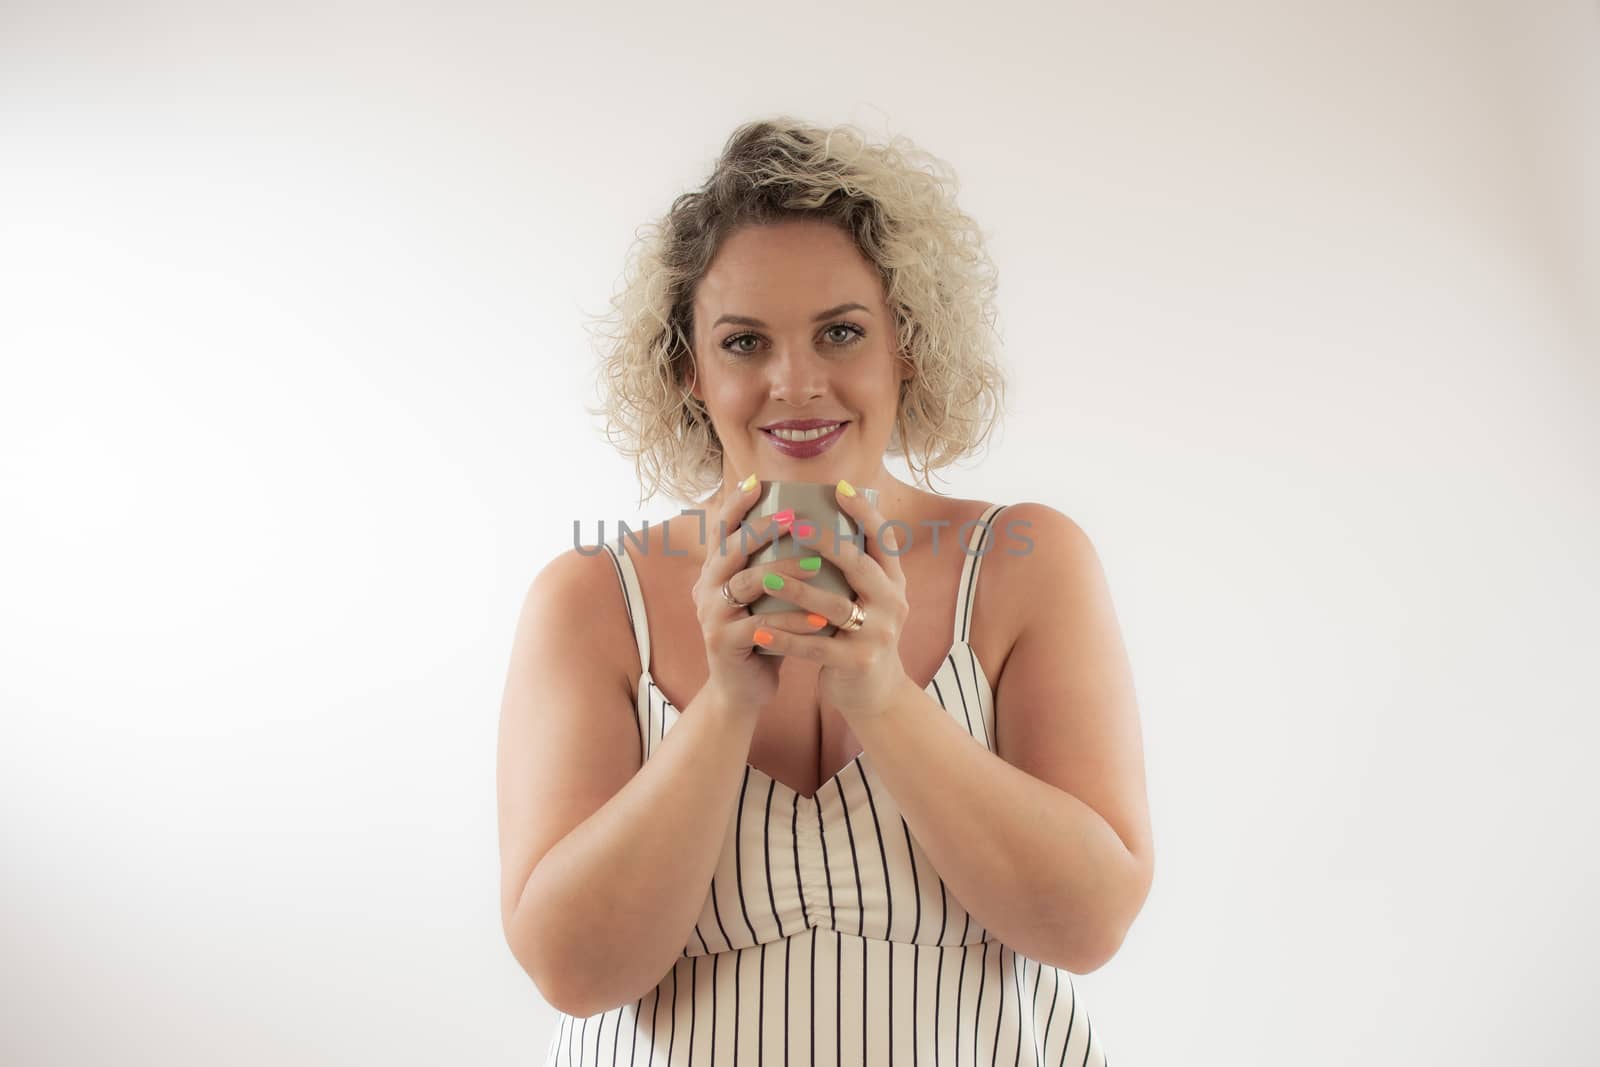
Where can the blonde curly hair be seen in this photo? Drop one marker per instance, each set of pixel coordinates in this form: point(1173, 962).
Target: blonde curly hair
point(937, 276)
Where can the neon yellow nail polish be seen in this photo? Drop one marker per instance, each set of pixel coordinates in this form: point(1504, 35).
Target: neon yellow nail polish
point(846, 488)
point(748, 484)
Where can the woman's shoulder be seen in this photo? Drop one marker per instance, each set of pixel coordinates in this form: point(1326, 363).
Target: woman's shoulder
point(1032, 547)
point(1036, 521)
point(580, 590)
point(1009, 521)
point(1028, 528)
point(1028, 542)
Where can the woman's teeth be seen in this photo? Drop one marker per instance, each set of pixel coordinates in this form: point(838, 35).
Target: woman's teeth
point(805, 435)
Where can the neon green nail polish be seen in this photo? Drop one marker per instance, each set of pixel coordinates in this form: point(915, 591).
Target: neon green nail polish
point(811, 563)
point(772, 581)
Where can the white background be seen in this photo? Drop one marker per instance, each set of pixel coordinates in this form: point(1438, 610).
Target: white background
point(1299, 310)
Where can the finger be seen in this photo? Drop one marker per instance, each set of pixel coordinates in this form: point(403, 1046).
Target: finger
point(795, 622)
point(833, 607)
point(714, 530)
point(883, 540)
point(722, 556)
point(749, 585)
point(737, 539)
point(840, 549)
point(744, 542)
point(735, 508)
point(738, 634)
point(785, 642)
point(784, 623)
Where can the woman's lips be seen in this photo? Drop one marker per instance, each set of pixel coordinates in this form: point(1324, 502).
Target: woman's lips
point(806, 449)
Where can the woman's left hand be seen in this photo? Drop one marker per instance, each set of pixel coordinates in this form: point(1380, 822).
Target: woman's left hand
point(861, 669)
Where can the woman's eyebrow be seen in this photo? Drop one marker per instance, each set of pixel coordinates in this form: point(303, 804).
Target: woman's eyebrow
point(745, 320)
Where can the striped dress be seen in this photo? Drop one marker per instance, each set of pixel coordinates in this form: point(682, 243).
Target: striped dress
point(827, 936)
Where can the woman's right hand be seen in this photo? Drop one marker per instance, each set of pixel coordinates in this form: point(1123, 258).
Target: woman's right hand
point(745, 680)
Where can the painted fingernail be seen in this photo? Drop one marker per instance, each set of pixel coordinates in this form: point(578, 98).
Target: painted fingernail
point(811, 563)
point(805, 529)
point(763, 638)
point(784, 517)
point(748, 484)
point(846, 488)
point(772, 581)
point(816, 620)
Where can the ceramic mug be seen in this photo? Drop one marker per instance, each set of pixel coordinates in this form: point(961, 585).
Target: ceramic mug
point(814, 503)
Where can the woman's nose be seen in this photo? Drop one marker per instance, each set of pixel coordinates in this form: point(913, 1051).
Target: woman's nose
point(798, 375)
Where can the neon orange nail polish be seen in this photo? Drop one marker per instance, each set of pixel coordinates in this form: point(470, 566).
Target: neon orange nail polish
point(816, 620)
point(763, 638)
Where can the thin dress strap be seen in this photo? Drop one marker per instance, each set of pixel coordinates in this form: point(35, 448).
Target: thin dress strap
point(977, 548)
point(633, 597)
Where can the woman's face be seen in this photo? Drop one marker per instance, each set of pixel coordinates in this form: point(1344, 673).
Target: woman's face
point(765, 353)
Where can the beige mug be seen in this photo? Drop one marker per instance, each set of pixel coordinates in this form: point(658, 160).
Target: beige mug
point(815, 503)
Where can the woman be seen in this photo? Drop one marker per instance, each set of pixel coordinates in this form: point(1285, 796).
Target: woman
point(897, 841)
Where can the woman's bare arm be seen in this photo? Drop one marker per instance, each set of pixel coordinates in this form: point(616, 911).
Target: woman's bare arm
point(606, 863)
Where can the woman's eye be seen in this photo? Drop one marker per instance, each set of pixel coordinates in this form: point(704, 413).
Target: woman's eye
point(852, 334)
